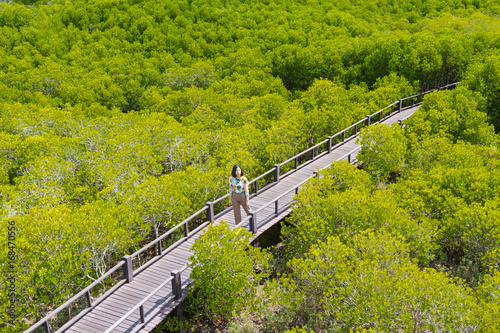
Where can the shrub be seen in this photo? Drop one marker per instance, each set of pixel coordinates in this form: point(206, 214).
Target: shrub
point(383, 149)
point(226, 270)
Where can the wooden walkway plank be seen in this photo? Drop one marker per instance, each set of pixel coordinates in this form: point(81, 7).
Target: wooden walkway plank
point(93, 326)
point(125, 299)
point(110, 312)
point(140, 286)
point(165, 266)
point(107, 319)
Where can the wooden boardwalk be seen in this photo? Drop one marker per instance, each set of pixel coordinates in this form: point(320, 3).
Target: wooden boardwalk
point(105, 314)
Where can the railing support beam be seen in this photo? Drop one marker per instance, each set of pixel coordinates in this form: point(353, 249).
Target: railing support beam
point(210, 212)
point(177, 291)
point(253, 222)
point(276, 173)
point(141, 313)
point(158, 248)
point(255, 243)
point(128, 272)
point(176, 284)
point(179, 313)
point(89, 300)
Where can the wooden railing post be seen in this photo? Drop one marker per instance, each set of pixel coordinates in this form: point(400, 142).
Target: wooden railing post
point(141, 314)
point(158, 248)
point(277, 173)
point(329, 145)
point(400, 104)
point(253, 222)
point(368, 120)
point(179, 313)
point(128, 273)
point(46, 326)
point(176, 284)
point(177, 292)
point(89, 300)
point(210, 212)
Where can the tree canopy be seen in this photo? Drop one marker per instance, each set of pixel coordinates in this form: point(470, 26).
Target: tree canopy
point(118, 118)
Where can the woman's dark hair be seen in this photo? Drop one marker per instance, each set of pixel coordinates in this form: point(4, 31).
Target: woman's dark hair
point(236, 166)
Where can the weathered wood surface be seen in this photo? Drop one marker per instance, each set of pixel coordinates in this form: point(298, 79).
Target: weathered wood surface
point(126, 297)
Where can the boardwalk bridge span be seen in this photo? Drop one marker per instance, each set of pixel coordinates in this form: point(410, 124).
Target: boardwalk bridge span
point(147, 294)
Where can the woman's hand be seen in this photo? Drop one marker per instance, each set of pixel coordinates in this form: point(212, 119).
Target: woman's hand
point(248, 204)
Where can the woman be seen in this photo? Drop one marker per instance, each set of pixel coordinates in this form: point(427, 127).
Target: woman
point(238, 193)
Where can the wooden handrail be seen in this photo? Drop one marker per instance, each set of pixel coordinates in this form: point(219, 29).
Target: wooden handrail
point(145, 299)
point(303, 152)
point(294, 188)
point(74, 298)
point(261, 176)
point(169, 232)
point(138, 305)
point(46, 319)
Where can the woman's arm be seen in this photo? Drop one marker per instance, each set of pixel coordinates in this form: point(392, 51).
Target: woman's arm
point(230, 190)
point(247, 193)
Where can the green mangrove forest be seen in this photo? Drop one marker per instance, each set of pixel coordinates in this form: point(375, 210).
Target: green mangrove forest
point(120, 118)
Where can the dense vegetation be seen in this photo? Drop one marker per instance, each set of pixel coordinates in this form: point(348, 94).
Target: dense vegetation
point(119, 118)
point(408, 243)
